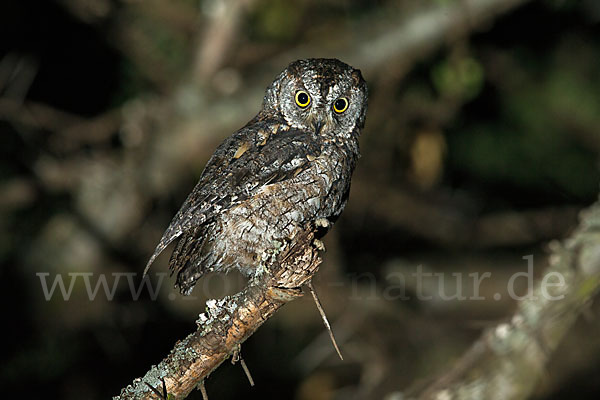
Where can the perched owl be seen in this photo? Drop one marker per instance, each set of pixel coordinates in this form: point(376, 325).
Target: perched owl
point(289, 166)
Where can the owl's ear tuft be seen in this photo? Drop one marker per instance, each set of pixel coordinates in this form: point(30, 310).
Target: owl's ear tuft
point(357, 78)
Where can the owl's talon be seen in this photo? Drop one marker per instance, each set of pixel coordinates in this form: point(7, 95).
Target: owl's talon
point(322, 223)
point(319, 245)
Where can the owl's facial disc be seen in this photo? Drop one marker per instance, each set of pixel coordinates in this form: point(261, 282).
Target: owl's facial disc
point(310, 103)
point(324, 96)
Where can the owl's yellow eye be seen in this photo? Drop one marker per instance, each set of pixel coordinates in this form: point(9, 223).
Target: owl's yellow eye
point(302, 99)
point(340, 105)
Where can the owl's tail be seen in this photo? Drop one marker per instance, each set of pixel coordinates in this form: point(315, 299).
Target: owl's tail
point(166, 239)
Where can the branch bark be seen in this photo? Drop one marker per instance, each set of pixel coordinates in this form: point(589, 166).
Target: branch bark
point(228, 322)
point(509, 359)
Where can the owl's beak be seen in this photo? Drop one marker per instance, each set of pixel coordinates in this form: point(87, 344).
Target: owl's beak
point(318, 124)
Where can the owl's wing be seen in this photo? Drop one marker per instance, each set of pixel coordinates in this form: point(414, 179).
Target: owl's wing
point(257, 155)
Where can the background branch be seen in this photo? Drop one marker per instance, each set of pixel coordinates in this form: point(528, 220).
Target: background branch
point(509, 359)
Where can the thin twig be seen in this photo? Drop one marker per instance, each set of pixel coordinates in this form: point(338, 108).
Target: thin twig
point(203, 390)
point(237, 356)
point(325, 321)
point(247, 371)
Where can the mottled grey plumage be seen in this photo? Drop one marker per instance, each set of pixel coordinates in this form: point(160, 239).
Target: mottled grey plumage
point(290, 165)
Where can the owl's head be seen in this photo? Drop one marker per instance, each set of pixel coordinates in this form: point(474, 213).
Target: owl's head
point(321, 95)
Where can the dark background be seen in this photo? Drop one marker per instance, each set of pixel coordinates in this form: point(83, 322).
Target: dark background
point(480, 147)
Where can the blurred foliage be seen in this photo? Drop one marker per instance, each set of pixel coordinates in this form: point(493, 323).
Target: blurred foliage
point(277, 21)
point(538, 142)
point(463, 77)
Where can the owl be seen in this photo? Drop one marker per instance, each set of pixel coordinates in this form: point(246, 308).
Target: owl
point(290, 166)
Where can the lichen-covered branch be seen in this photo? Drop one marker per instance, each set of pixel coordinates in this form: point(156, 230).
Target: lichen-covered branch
point(508, 360)
point(228, 322)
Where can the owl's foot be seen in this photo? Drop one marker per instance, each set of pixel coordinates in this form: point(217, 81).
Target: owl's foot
point(319, 245)
point(322, 223)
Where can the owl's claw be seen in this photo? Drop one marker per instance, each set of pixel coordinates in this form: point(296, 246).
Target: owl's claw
point(322, 223)
point(319, 245)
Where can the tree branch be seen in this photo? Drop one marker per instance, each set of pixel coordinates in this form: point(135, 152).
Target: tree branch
point(444, 219)
point(228, 322)
point(509, 359)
